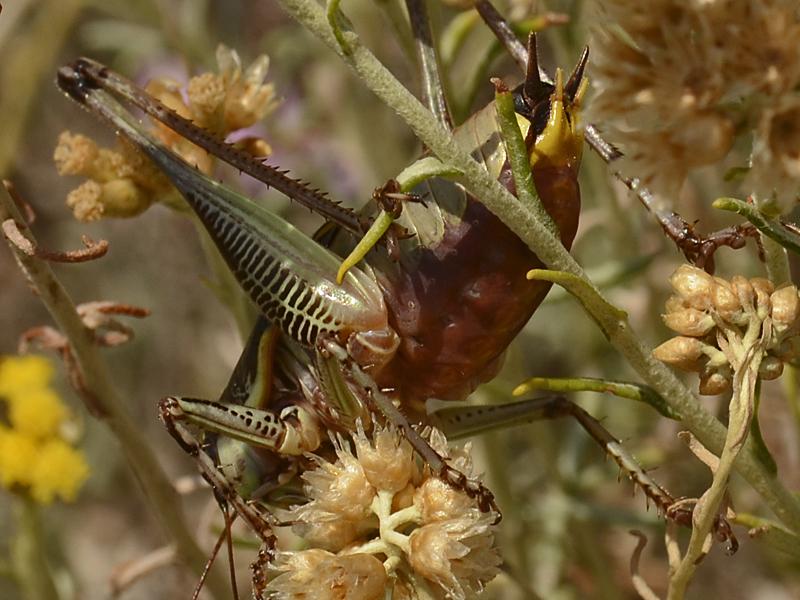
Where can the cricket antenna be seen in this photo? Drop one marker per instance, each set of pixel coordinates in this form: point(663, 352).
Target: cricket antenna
point(574, 83)
point(532, 88)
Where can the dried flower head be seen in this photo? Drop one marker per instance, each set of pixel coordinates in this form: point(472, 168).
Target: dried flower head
point(378, 505)
point(321, 575)
point(712, 316)
point(124, 183)
point(675, 81)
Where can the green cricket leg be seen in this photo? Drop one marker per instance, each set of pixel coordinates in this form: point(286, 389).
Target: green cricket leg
point(259, 521)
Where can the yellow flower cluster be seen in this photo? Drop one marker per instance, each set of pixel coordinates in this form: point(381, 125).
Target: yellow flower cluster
point(713, 315)
point(34, 457)
point(124, 183)
point(676, 81)
point(376, 520)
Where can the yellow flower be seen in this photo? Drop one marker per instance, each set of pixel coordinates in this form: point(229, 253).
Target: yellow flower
point(21, 374)
point(59, 471)
point(34, 459)
point(37, 413)
point(18, 452)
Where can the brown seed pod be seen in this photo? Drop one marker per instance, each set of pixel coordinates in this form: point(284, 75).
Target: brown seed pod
point(771, 368)
point(713, 383)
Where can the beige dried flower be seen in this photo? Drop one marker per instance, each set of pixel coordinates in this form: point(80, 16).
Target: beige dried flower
point(320, 575)
point(387, 459)
point(713, 316)
point(124, 183)
point(455, 555)
point(775, 161)
point(340, 488)
point(376, 501)
point(675, 81)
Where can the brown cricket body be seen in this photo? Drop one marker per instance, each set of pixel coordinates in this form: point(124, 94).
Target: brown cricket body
point(458, 302)
point(468, 297)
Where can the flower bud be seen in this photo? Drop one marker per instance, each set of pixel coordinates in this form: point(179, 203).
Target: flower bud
point(331, 534)
point(674, 304)
point(681, 352)
point(319, 574)
point(340, 488)
point(455, 554)
point(771, 368)
point(785, 308)
point(713, 383)
point(689, 321)
point(693, 285)
point(744, 291)
point(387, 461)
point(404, 498)
point(725, 301)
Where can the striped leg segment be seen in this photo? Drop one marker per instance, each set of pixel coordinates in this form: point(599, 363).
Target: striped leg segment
point(259, 521)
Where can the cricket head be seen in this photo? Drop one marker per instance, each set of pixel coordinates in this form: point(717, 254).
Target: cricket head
point(549, 112)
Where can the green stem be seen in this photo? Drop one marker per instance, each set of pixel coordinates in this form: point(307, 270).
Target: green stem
point(518, 158)
point(770, 228)
point(104, 402)
point(536, 235)
point(748, 356)
point(776, 260)
point(29, 555)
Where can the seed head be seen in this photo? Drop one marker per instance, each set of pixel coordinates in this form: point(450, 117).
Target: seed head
point(713, 315)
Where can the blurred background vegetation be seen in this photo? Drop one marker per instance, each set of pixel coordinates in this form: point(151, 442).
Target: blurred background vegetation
point(566, 516)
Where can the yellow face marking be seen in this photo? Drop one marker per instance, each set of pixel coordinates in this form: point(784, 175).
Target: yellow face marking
point(561, 141)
